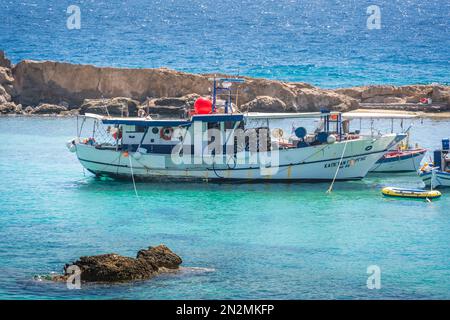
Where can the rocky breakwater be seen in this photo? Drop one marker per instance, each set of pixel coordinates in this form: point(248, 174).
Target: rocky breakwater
point(62, 83)
point(7, 91)
point(408, 98)
point(116, 268)
point(47, 87)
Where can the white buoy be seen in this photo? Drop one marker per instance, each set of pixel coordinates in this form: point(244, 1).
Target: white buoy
point(331, 139)
point(137, 155)
point(71, 145)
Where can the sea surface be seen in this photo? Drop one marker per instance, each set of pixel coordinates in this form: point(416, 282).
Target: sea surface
point(326, 43)
point(237, 241)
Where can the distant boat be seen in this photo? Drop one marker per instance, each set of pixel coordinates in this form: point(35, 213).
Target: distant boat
point(401, 158)
point(400, 161)
point(437, 174)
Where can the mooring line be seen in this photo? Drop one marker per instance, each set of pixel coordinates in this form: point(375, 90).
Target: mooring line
point(337, 170)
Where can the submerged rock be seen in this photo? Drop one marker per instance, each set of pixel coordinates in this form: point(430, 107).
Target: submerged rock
point(115, 268)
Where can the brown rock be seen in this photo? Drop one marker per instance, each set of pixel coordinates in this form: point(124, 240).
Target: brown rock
point(4, 95)
point(119, 106)
point(161, 256)
point(441, 94)
point(265, 104)
point(49, 81)
point(5, 76)
point(4, 62)
point(53, 81)
point(115, 268)
point(9, 108)
point(46, 108)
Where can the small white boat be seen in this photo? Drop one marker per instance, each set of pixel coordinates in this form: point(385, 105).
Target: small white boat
point(400, 161)
point(402, 158)
point(437, 174)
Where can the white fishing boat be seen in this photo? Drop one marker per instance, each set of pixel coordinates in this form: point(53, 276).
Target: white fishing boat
point(219, 144)
point(402, 157)
point(437, 174)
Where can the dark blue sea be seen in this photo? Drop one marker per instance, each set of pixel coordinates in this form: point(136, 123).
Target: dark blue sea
point(326, 43)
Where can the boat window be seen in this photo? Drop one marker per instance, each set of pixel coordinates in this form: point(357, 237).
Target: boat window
point(155, 130)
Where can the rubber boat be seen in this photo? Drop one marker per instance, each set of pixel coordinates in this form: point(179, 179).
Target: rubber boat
point(410, 193)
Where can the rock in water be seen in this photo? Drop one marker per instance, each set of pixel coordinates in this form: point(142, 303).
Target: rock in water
point(161, 256)
point(115, 268)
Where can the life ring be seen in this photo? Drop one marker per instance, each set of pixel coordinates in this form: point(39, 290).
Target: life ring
point(116, 133)
point(166, 133)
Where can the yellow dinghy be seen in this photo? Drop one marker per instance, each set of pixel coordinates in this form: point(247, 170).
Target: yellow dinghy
point(410, 193)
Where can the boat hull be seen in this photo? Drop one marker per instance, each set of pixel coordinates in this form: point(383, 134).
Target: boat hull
point(438, 179)
point(314, 163)
point(408, 161)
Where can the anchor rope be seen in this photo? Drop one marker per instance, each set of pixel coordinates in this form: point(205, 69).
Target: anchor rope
point(132, 177)
point(337, 169)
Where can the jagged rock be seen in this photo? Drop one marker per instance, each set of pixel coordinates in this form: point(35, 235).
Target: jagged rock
point(71, 112)
point(171, 102)
point(5, 76)
point(115, 268)
point(48, 81)
point(46, 108)
point(161, 256)
point(36, 82)
point(4, 95)
point(441, 94)
point(265, 104)
point(9, 108)
point(117, 106)
point(28, 110)
point(4, 62)
point(393, 100)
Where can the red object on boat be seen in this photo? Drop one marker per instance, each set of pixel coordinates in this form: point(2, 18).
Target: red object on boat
point(404, 153)
point(202, 106)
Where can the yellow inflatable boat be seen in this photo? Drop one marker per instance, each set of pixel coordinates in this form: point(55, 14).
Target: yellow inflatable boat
point(410, 193)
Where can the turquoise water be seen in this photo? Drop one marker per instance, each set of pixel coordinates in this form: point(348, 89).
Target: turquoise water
point(322, 42)
point(237, 241)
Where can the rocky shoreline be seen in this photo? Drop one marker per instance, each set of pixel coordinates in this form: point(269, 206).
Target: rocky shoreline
point(63, 89)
